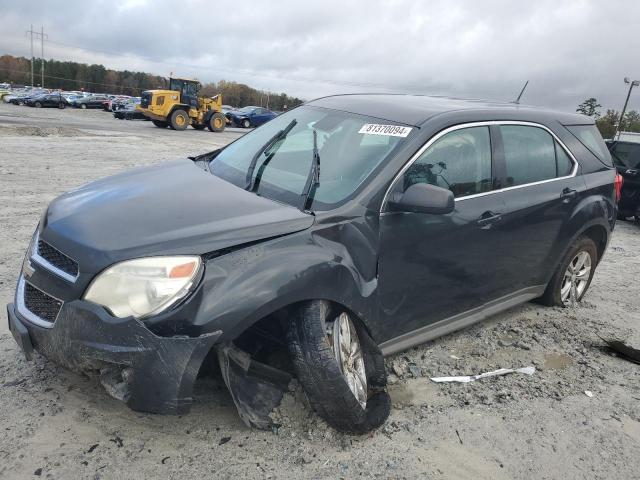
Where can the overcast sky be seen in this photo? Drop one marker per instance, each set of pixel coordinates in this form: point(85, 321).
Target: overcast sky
point(568, 50)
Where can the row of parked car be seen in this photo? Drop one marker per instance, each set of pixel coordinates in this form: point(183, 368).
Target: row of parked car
point(37, 97)
point(122, 106)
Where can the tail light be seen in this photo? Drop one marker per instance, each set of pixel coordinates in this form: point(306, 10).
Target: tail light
point(617, 186)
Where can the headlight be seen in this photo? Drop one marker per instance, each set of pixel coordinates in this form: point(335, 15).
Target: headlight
point(145, 286)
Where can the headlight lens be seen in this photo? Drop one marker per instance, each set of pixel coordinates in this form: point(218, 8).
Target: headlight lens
point(145, 286)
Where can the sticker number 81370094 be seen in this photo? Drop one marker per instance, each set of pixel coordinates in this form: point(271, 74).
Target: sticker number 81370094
point(390, 130)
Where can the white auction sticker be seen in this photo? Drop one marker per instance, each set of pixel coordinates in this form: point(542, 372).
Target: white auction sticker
point(390, 130)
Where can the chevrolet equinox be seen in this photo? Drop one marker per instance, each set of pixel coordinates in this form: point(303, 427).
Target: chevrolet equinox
point(344, 230)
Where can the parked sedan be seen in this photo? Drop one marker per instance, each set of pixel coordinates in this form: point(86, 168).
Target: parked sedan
point(48, 100)
point(428, 215)
point(92, 101)
point(250, 116)
point(23, 97)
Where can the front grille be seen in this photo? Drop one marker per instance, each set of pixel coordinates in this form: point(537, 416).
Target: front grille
point(40, 304)
point(58, 259)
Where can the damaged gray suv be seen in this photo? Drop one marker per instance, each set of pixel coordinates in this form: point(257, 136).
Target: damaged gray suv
point(344, 230)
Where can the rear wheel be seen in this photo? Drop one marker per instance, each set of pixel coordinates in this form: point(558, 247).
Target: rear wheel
point(83, 106)
point(573, 276)
point(160, 123)
point(339, 366)
point(179, 120)
point(61, 105)
point(217, 122)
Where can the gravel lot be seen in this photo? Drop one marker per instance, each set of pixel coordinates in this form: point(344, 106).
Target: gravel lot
point(60, 425)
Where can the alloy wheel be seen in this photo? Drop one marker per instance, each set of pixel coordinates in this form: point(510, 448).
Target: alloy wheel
point(576, 278)
point(348, 353)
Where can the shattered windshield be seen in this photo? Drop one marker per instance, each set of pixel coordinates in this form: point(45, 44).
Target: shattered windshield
point(351, 147)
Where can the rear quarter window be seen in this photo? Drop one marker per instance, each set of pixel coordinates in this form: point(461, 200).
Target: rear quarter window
point(590, 137)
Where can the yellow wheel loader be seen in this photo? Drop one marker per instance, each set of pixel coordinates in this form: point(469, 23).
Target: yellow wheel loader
point(179, 106)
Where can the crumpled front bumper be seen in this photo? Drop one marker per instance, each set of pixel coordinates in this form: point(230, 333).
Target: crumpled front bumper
point(148, 372)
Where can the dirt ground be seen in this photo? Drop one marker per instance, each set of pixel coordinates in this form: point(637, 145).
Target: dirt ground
point(60, 425)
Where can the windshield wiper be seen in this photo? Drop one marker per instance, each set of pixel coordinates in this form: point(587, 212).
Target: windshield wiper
point(313, 178)
point(277, 137)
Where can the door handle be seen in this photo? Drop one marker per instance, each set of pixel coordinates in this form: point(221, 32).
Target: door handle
point(568, 194)
point(487, 219)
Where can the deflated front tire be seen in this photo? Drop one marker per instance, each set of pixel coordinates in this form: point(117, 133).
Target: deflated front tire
point(333, 382)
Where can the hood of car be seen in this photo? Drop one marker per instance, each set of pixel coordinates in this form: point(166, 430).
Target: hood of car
point(168, 209)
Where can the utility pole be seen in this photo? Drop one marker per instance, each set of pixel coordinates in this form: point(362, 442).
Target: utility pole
point(632, 83)
point(42, 52)
point(30, 31)
point(42, 37)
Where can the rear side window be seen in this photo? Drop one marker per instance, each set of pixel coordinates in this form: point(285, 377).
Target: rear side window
point(459, 161)
point(533, 155)
point(590, 137)
point(529, 154)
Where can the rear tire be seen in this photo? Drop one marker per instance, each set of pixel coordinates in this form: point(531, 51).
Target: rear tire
point(83, 106)
point(217, 122)
point(553, 295)
point(61, 106)
point(160, 123)
point(321, 376)
point(179, 120)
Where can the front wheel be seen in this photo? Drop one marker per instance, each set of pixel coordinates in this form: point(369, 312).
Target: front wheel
point(246, 123)
point(83, 106)
point(573, 276)
point(339, 366)
point(61, 105)
point(38, 105)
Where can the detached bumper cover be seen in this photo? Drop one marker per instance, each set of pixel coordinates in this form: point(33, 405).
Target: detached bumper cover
point(149, 373)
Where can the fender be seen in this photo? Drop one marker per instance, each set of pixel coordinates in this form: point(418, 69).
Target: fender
point(247, 285)
point(590, 211)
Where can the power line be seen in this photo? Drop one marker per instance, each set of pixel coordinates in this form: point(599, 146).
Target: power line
point(135, 89)
point(295, 78)
point(42, 37)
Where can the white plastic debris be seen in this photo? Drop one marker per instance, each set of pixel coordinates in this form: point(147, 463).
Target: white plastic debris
point(588, 393)
point(454, 357)
point(495, 373)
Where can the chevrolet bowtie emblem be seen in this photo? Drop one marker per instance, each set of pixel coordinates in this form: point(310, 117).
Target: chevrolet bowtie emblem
point(27, 268)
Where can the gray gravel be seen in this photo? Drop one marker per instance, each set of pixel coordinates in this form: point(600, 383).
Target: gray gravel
point(60, 425)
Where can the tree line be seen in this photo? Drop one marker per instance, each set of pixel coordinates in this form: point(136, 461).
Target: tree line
point(608, 122)
point(99, 79)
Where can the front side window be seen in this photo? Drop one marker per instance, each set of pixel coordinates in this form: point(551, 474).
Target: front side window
point(459, 161)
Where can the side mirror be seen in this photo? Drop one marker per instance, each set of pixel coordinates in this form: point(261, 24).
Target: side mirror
point(423, 198)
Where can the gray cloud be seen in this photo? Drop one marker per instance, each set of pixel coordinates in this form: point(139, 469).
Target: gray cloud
point(568, 50)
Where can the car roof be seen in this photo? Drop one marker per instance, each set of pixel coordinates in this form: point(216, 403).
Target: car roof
point(417, 109)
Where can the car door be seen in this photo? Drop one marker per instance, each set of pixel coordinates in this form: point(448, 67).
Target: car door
point(257, 116)
point(541, 191)
point(433, 267)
